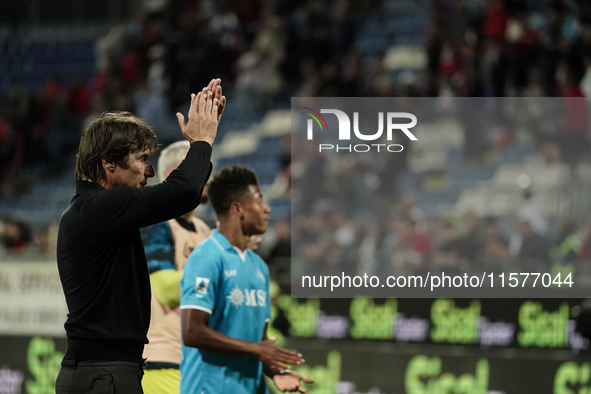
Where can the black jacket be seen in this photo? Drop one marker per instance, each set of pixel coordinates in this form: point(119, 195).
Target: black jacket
point(101, 258)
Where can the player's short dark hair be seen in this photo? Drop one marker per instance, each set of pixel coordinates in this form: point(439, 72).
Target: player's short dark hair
point(229, 186)
point(112, 136)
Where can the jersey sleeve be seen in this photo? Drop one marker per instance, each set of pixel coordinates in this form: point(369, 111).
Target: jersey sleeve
point(201, 279)
point(159, 247)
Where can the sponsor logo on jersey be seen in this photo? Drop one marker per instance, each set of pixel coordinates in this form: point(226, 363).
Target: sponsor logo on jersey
point(229, 273)
point(248, 297)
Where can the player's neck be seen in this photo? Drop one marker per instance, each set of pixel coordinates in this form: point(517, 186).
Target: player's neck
point(234, 234)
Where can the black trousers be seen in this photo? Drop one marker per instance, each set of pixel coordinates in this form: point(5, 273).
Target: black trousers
point(99, 377)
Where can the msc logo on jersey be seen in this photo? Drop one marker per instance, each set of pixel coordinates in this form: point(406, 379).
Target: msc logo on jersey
point(249, 297)
point(201, 285)
point(261, 276)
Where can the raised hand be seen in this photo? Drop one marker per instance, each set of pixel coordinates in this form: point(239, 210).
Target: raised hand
point(216, 87)
point(203, 116)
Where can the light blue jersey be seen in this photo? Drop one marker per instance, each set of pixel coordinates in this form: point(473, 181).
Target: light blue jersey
point(233, 287)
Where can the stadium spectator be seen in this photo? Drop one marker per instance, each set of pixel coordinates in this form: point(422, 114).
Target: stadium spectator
point(575, 120)
point(568, 243)
point(79, 97)
point(532, 212)
point(15, 236)
point(585, 238)
point(282, 246)
point(472, 235)
point(448, 253)
point(11, 156)
point(535, 247)
point(492, 231)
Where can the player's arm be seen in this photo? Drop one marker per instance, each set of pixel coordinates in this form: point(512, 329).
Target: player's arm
point(197, 334)
point(285, 379)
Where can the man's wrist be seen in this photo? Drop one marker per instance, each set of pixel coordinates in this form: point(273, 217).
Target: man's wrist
point(253, 349)
point(270, 372)
point(209, 141)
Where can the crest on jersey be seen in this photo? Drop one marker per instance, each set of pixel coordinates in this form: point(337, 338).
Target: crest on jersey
point(261, 276)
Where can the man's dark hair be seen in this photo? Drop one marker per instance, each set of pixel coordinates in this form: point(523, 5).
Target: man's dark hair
point(113, 136)
point(229, 186)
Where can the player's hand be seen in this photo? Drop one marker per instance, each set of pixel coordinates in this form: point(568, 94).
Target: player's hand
point(216, 88)
point(291, 381)
point(203, 117)
point(267, 353)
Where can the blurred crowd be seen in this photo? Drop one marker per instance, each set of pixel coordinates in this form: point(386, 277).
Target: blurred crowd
point(39, 131)
point(266, 51)
point(19, 238)
point(352, 213)
point(511, 48)
point(406, 241)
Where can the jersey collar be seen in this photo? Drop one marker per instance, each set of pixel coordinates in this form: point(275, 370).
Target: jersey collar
point(221, 240)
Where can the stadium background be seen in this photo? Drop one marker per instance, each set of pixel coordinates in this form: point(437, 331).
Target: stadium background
point(62, 62)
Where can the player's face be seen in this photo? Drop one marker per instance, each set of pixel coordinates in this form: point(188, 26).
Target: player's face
point(255, 218)
point(138, 170)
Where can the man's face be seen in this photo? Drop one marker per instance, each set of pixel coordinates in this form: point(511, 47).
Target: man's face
point(255, 218)
point(138, 170)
